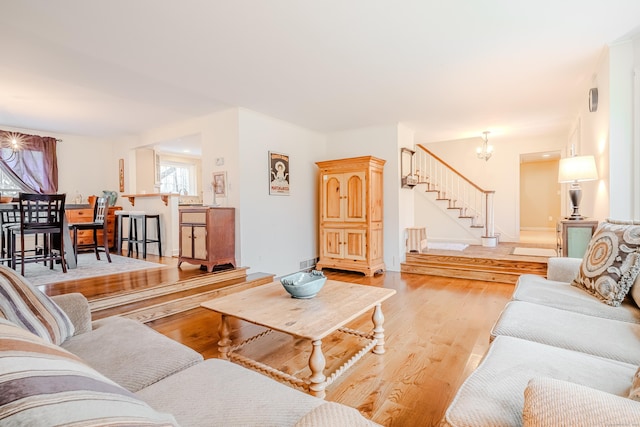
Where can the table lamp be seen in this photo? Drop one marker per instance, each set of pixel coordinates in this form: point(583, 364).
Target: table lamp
point(574, 170)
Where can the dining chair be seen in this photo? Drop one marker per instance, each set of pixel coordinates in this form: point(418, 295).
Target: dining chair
point(40, 214)
point(9, 216)
point(100, 209)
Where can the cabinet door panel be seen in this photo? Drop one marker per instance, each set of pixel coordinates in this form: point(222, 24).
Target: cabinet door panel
point(332, 243)
point(355, 244)
point(200, 243)
point(186, 242)
point(355, 197)
point(332, 199)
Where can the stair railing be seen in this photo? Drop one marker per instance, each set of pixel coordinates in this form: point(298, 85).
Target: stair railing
point(472, 201)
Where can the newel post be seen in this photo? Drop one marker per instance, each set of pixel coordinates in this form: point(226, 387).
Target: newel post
point(489, 239)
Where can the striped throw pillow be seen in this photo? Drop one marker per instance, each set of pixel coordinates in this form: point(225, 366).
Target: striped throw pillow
point(42, 384)
point(27, 307)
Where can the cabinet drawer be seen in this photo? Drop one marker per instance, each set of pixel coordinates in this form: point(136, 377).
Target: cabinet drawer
point(79, 215)
point(194, 217)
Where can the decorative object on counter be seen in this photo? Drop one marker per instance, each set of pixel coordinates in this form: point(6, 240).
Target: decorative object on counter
point(6, 199)
point(278, 174)
point(304, 285)
point(111, 196)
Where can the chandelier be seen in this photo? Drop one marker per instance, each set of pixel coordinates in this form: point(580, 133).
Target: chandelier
point(9, 146)
point(485, 151)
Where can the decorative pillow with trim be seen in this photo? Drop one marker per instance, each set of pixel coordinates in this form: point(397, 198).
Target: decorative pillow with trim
point(24, 305)
point(634, 393)
point(44, 385)
point(612, 261)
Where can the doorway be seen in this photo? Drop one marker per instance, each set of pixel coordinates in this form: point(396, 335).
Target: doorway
point(539, 197)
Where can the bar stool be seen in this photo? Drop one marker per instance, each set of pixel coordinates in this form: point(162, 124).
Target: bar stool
point(137, 218)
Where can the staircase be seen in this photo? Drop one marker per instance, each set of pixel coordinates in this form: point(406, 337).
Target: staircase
point(455, 192)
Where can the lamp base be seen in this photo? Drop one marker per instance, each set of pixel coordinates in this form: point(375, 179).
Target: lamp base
point(575, 194)
point(576, 217)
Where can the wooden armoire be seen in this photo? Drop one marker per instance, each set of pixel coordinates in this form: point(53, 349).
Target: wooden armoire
point(351, 214)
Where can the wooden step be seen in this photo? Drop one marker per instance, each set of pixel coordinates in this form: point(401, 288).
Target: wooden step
point(179, 299)
point(490, 269)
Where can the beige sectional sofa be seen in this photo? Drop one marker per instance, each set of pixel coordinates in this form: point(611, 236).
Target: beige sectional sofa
point(58, 367)
point(559, 356)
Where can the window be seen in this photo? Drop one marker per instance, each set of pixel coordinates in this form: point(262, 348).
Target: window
point(177, 177)
point(8, 187)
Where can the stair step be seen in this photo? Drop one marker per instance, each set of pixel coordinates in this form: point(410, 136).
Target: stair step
point(475, 268)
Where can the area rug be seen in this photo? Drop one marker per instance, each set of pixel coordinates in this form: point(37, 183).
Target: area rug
point(534, 252)
point(443, 246)
point(88, 266)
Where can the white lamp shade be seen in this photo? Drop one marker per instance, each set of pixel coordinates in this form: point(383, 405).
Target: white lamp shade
point(579, 168)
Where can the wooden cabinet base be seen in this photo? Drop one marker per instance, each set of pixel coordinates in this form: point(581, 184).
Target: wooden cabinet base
point(340, 264)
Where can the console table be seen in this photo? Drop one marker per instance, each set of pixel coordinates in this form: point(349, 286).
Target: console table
point(574, 237)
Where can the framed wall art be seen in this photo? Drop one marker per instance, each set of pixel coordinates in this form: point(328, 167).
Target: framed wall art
point(279, 177)
point(121, 174)
point(220, 184)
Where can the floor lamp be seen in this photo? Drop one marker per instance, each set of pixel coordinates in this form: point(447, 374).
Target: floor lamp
point(575, 170)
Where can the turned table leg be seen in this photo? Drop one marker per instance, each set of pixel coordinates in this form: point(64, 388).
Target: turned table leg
point(225, 342)
point(316, 364)
point(378, 330)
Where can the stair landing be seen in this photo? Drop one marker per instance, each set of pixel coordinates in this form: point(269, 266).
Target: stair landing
point(478, 263)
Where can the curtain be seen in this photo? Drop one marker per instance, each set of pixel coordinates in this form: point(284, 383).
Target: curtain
point(35, 165)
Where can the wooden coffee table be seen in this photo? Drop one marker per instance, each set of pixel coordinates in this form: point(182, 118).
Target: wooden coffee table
point(313, 319)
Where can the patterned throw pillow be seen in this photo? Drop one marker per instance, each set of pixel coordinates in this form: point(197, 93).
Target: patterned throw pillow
point(612, 261)
point(26, 306)
point(44, 385)
point(634, 393)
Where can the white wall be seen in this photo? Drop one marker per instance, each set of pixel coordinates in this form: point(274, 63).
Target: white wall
point(621, 64)
point(609, 134)
point(381, 142)
point(590, 135)
point(500, 173)
point(278, 232)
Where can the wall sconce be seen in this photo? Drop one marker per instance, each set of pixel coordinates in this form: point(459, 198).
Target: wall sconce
point(485, 151)
point(408, 178)
point(575, 170)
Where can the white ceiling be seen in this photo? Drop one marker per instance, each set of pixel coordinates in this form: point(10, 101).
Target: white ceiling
point(448, 69)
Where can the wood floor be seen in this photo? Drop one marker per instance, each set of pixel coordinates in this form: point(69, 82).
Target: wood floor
point(437, 330)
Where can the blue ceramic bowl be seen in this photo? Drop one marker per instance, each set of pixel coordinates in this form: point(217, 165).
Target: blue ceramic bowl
point(304, 285)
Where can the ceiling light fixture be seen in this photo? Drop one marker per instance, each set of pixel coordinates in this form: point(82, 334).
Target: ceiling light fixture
point(485, 151)
point(9, 146)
